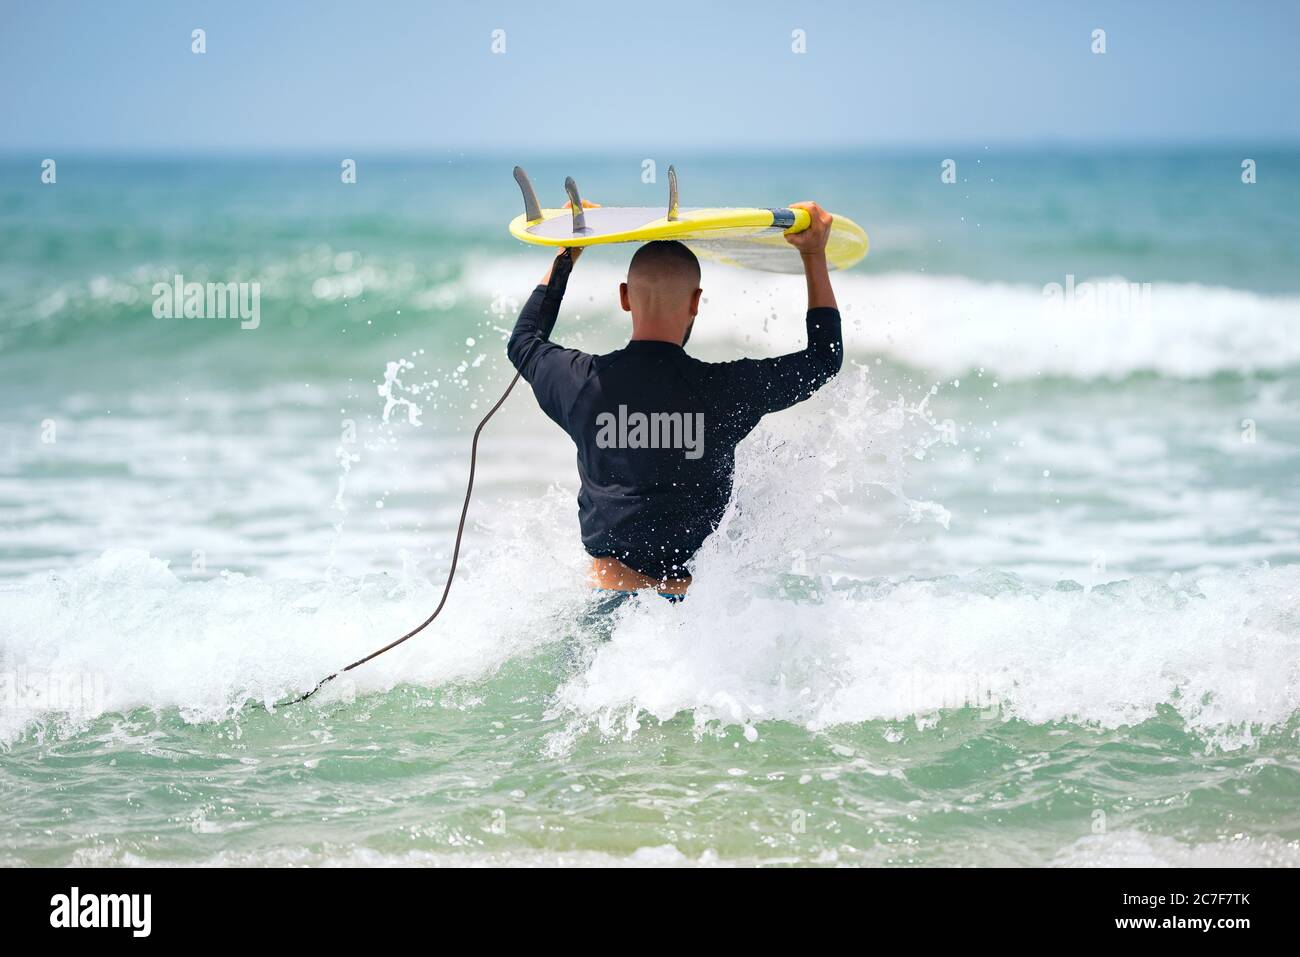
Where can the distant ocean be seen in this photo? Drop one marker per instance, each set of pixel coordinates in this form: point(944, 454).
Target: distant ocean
point(1021, 587)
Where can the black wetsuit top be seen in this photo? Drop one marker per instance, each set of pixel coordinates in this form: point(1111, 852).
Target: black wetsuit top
point(657, 430)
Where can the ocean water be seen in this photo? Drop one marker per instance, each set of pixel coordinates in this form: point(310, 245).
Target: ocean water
point(1021, 587)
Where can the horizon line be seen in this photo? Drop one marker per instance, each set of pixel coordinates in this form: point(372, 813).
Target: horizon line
point(10, 151)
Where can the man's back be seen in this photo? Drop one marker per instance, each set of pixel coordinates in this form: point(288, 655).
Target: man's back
point(656, 449)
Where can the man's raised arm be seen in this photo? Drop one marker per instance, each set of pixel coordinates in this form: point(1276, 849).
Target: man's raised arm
point(760, 386)
point(530, 340)
point(554, 373)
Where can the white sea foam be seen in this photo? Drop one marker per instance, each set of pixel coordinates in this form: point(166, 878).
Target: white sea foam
point(1221, 650)
point(125, 632)
point(951, 326)
point(1222, 653)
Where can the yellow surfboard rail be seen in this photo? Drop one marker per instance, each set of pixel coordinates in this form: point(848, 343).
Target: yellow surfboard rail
point(748, 237)
point(691, 224)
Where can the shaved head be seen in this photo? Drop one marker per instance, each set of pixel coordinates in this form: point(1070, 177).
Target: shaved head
point(662, 291)
point(664, 262)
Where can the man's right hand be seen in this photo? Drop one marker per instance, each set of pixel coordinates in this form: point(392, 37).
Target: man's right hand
point(811, 241)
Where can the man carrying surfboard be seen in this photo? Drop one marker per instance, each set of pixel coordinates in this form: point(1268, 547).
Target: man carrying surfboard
point(655, 429)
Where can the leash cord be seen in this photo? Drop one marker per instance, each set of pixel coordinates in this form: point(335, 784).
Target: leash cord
point(547, 313)
point(451, 572)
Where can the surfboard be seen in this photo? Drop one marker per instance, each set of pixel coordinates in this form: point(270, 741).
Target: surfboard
point(753, 238)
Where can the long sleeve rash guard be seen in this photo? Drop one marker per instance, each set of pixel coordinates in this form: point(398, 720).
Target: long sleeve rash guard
point(656, 430)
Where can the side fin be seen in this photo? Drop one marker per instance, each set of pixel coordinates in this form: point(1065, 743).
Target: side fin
point(532, 208)
point(579, 218)
point(672, 194)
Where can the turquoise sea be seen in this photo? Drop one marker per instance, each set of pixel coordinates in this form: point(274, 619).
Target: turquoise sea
point(1021, 587)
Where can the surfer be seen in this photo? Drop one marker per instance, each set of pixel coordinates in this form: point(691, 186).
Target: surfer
point(656, 430)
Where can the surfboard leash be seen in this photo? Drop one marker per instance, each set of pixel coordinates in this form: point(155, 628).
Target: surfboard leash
point(451, 572)
point(550, 309)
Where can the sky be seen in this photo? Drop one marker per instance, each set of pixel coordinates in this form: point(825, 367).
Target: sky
point(399, 76)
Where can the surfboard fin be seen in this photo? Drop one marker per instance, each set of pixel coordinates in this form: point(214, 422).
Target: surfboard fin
point(579, 217)
point(672, 194)
point(532, 208)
